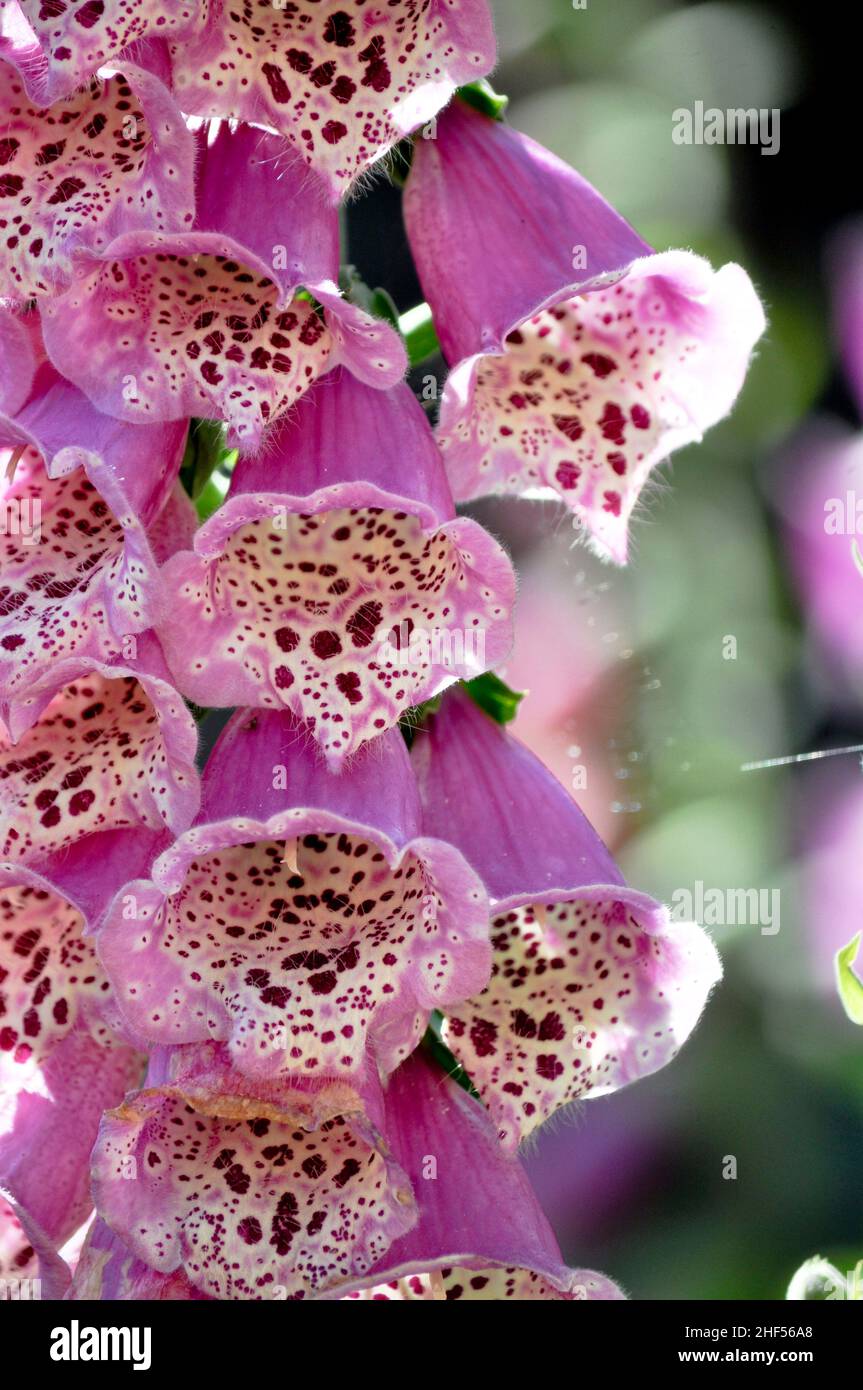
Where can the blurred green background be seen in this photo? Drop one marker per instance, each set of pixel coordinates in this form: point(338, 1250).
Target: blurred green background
point(626, 668)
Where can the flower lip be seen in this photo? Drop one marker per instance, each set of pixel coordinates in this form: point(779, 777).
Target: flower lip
point(299, 1205)
point(66, 806)
point(64, 195)
point(341, 82)
point(234, 339)
point(367, 960)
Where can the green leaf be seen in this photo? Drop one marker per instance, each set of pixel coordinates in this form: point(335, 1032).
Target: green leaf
point(495, 697)
point(482, 97)
point(850, 984)
point(418, 330)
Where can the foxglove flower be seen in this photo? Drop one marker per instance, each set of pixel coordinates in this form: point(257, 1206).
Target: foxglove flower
point(481, 1233)
point(211, 322)
point(95, 747)
point(344, 81)
point(61, 1062)
point(302, 920)
point(78, 574)
point(335, 580)
point(593, 985)
point(579, 357)
point(255, 1191)
point(115, 158)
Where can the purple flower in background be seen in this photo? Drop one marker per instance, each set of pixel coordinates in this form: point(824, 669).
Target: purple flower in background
point(817, 489)
point(336, 580)
point(593, 985)
point(579, 357)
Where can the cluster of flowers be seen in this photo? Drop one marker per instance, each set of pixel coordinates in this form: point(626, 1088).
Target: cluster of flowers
point(214, 991)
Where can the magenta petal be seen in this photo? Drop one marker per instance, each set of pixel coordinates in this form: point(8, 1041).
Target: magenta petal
point(249, 1200)
point(49, 1122)
point(66, 764)
point(60, 1063)
point(28, 1255)
point(481, 1232)
point(20, 352)
point(493, 221)
point(341, 80)
point(107, 1271)
point(349, 598)
point(335, 930)
point(113, 158)
point(58, 47)
point(593, 985)
point(209, 323)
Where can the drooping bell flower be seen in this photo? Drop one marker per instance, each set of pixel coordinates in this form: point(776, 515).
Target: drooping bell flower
point(301, 920)
point(593, 985)
point(78, 573)
point(61, 1060)
point(481, 1232)
point(335, 580)
point(245, 1191)
point(580, 358)
point(344, 81)
point(58, 46)
point(217, 322)
point(95, 747)
point(113, 158)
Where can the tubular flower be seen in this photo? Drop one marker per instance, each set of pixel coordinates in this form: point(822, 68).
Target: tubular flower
point(335, 580)
point(344, 81)
point(111, 159)
point(250, 1192)
point(61, 1061)
point(98, 747)
point(301, 920)
point(593, 985)
point(580, 358)
point(481, 1233)
point(212, 322)
point(78, 576)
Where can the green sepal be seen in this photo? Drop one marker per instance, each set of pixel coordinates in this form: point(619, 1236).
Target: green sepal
point(494, 697)
point(482, 97)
